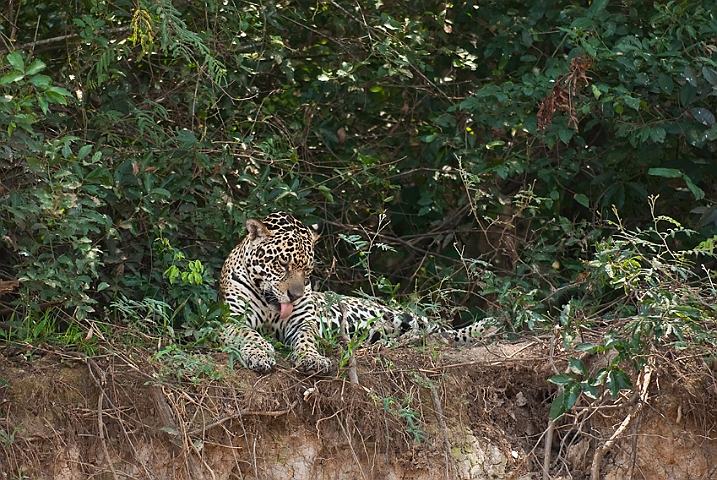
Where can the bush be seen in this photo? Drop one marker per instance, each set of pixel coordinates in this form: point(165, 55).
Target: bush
point(496, 139)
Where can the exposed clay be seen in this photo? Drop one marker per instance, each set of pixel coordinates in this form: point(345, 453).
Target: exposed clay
point(120, 416)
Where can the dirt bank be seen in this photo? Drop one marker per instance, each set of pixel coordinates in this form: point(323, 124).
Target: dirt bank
point(478, 413)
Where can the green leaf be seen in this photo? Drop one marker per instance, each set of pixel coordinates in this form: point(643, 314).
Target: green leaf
point(696, 191)
point(587, 347)
point(57, 95)
point(657, 134)
point(583, 23)
point(565, 401)
point(666, 84)
point(41, 81)
point(600, 377)
point(582, 200)
point(577, 366)
point(84, 151)
point(675, 173)
point(711, 134)
point(172, 273)
point(565, 135)
point(162, 192)
point(16, 61)
point(42, 101)
point(596, 7)
point(11, 78)
point(102, 286)
point(558, 406)
point(573, 394)
point(703, 116)
point(562, 379)
point(618, 380)
point(35, 67)
point(688, 93)
point(589, 390)
point(186, 138)
point(632, 102)
point(710, 75)
point(665, 172)
point(326, 192)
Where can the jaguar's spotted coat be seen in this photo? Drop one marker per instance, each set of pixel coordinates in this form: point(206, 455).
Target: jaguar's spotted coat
point(266, 282)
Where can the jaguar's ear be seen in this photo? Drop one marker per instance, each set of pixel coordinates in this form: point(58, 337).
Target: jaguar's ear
point(316, 230)
point(257, 231)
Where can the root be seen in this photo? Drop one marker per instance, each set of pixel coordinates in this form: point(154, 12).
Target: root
point(100, 422)
point(444, 428)
point(601, 451)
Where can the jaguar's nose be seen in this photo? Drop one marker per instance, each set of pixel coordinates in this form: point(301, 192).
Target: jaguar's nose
point(295, 291)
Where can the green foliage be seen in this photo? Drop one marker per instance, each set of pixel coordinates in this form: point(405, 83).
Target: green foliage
point(661, 301)
point(401, 409)
point(492, 146)
point(26, 90)
point(181, 364)
point(7, 438)
point(363, 249)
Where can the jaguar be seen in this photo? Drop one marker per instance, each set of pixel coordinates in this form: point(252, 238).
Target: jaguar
point(266, 282)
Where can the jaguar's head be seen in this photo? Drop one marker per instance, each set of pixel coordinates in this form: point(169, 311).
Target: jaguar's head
point(279, 257)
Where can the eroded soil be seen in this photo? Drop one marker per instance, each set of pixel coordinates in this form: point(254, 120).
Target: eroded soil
point(477, 413)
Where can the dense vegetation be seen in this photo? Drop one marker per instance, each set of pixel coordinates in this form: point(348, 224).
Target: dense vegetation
point(550, 161)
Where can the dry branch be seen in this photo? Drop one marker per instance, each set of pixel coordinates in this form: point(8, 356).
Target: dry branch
point(203, 429)
point(444, 429)
point(100, 422)
point(601, 451)
point(353, 376)
point(61, 38)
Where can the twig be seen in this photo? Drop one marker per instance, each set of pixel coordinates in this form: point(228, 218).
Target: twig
point(444, 428)
point(548, 449)
point(100, 423)
point(600, 452)
point(204, 428)
point(353, 376)
point(251, 451)
point(551, 422)
point(351, 446)
point(61, 38)
point(167, 418)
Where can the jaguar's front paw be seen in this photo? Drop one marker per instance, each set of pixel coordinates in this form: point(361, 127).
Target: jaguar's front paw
point(260, 358)
point(249, 347)
point(311, 363)
point(260, 362)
